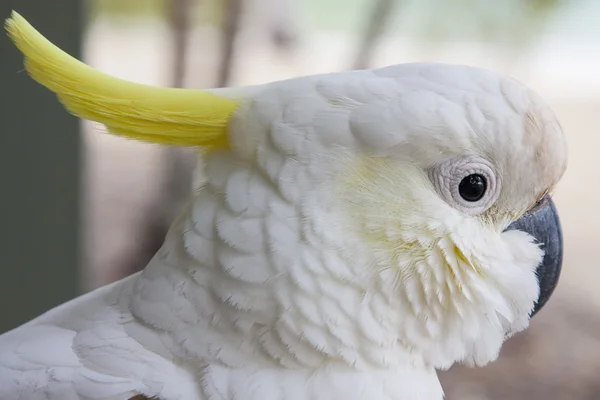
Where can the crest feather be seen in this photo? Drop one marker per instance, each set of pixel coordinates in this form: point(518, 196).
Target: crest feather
point(153, 114)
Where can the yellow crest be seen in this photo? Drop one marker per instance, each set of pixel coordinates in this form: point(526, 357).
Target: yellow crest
point(153, 114)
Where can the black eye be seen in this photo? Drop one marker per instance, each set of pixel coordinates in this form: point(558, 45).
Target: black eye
point(472, 187)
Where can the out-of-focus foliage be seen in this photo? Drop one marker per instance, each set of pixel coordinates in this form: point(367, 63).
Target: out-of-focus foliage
point(205, 12)
point(127, 8)
point(507, 21)
point(342, 15)
point(510, 22)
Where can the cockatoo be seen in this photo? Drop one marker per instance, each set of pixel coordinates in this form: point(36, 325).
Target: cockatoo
point(356, 231)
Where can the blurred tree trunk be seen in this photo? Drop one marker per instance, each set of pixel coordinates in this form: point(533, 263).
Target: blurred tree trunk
point(40, 164)
point(179, 18)
point(231, 26)
point(375, 27)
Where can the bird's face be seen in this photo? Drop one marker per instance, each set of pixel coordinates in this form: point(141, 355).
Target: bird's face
point(437, 180)
point(461, 283)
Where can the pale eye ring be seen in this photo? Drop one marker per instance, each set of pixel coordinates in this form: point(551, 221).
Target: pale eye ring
point(468, 183)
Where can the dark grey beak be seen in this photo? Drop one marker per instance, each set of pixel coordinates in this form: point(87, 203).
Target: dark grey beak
point(543, 224)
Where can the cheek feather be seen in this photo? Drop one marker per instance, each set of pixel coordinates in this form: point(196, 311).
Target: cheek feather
point(416, 255)
point(457, 282)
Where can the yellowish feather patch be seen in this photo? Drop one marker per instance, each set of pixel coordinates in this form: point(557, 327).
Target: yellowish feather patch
point(158, 115)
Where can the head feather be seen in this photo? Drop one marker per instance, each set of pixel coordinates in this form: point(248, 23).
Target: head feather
point(153, 114)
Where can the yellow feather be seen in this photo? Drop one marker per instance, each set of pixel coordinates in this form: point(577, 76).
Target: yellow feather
point(153, 114)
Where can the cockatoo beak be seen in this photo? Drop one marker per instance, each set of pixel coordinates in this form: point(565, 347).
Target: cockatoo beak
point(543, 224)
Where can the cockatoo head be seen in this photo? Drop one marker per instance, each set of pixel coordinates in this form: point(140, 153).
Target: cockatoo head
point(419, 194)
point(432, 182)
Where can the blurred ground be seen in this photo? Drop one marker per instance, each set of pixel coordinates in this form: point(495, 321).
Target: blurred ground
point(558, 358)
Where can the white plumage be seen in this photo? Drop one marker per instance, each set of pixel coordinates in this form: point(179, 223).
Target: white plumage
point(324, 257)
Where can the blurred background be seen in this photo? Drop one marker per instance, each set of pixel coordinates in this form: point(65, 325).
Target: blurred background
point(81, 209)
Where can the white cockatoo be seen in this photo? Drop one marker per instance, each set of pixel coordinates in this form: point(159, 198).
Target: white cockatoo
point(356, 232)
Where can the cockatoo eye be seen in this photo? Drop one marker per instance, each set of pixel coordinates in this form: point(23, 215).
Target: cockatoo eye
point(469, 184)
point(472, 187)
